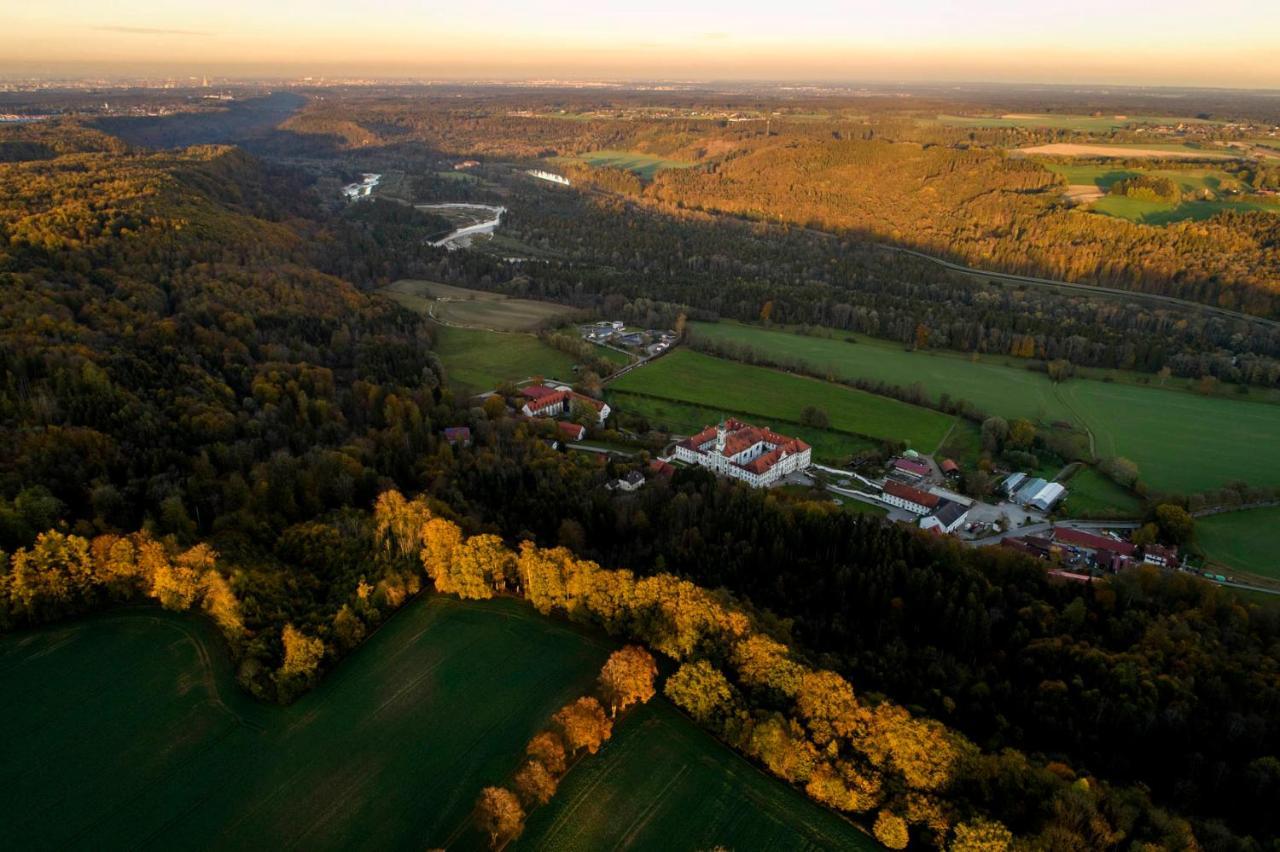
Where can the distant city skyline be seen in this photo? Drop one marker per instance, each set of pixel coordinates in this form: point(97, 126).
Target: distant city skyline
point(1184, 43)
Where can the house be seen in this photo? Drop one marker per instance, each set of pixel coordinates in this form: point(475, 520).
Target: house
point(755, 455)
point(571, 431)
point(912, 499)
point(465, 164)
point(950, 468)
point(910, 468)
point(458, 435)
point(544, 401)
point(946, 517)
point(1157, 554)
point(631, 482)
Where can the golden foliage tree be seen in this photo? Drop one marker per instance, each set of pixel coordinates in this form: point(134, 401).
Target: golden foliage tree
point(583, 725)
point(891, 830)
point(499, 815)
point(547, 748)
point(302, 653)
point(700, 690)
point(981, 835)
point(627, 678)
point(534, 783)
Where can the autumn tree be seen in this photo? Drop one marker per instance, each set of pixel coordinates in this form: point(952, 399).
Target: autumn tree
point(302, 653)
point(583, 725)
point(981, 835)
point(1175, 523)
point(534, 783)
point(481, 566)
point(547, 748)
point(700, 690)
point(499, 815)
point(891, 830)
point(440, 538)
point(399, 522)
point(627, 678)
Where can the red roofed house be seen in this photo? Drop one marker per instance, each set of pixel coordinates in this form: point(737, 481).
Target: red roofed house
point(911, 468)
point(559, 402)
point(1091, 541)
point(757, 456)
point(950, 468)
point(571, 431)
point(662, 468)
point(911, 499)
point(1156, 554)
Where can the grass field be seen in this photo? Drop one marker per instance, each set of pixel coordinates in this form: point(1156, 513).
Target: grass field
point(645, 165)
point(692, 377)
point(1243, 541)
point(1150, 150)
point(683, 418)
point(1103, 176)
point(663, 784)
point(479, 360)
point(477, 308)
point(1092, 495)
point(1083, 123)
point(1181, 441)
point(127, 730)
point(1162, 213)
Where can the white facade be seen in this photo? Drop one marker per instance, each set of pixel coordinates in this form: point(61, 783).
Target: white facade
point(711, 454)
point(904, 503)
point(548, 176)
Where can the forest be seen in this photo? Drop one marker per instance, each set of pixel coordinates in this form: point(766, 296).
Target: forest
point(193, 356)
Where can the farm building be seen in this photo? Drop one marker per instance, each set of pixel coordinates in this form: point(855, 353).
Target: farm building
point(663, 469)
point(912, 499)
point(1047, 497)
point(1164, 557)
point(946, 518)
point(1083, 540)
point(757, 456)
point(911, 468)
point(545, 401)
point(1011, 485)
point(950, 468)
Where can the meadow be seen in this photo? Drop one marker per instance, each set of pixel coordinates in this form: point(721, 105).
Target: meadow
point(478, 360)
point(645, 165)
point(1151, 150)
point(662, 783)
point(1092, 495)
point(476, 308)
point(1242, 541)
point(776, 397)
point(1191, 182)
point(1162, 213)
point(1181, 441)
point(128, 730)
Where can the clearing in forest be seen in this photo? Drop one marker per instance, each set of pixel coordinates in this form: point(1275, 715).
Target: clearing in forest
point(139, 720)
point(480, 360)
point(1155, 151)
point(774, 398)
point(475, 308)
point(645, 165)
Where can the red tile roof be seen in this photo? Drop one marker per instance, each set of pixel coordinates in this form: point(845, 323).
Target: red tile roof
point(741, 436)
point(662, 468)
point(918, 468)
point(1090, 541)
point(538, 391)
point(949, 466)
point(914, 495)
point(555, 397)
point(571, 431)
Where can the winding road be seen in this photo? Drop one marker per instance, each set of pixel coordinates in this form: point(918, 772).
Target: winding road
point(455, 239)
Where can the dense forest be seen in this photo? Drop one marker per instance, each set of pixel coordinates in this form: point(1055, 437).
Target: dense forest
point(192, 356)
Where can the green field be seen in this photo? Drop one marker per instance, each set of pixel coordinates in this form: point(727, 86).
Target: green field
point(1082, 123)
point(663, 784)
point(1162, 213)
point(682, 418)
point(1181, 441)
point(693, 377)
point(127, 730)
point(1092, 495)
point(479, 360)
point(645, 165)
point(475, 308)
point(1243, 541)
point(1103, 176)
point(1191, 181)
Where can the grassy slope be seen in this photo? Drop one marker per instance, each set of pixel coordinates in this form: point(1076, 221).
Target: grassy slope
point(692, 377)
point(645, 165)
point(478, 360)
point(127, 730)
point(1092, 495)
point(1245, 541)
point(1181, 441)
point(663, 784)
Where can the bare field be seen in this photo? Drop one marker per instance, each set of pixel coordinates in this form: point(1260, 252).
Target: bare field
point(474, 308)
point(1172, 152)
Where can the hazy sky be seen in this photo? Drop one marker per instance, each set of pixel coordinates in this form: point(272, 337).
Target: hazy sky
point(1180, 42)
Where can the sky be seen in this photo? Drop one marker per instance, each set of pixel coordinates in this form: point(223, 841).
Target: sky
point(1232, 43)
